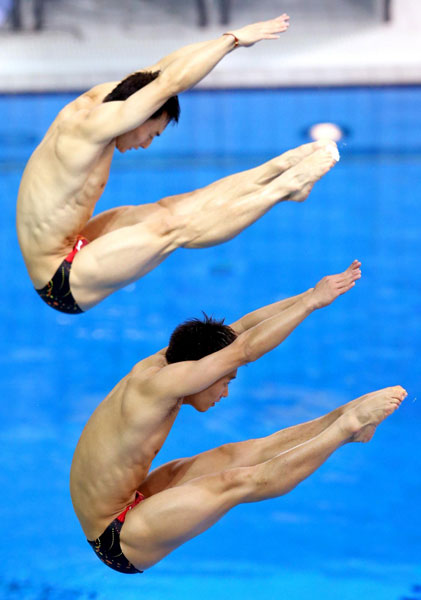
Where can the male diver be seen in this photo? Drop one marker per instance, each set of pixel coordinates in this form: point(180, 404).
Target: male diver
point(133, 517)
point(75, 260)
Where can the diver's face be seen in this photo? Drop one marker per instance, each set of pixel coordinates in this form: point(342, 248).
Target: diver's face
point(207, 398)
point(142, 136)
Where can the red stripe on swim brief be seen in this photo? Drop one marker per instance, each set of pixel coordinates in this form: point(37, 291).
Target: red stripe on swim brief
point(139, 497)
point(80, 242)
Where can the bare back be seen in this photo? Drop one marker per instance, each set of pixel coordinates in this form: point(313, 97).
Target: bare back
point(117, 447)
point(60, 186)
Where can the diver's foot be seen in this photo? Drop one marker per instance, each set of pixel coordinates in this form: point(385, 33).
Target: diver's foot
point(360, 421)
point(300, 179)
point(292, 157)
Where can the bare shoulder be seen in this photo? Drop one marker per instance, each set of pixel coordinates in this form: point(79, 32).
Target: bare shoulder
point(72, 108)
point(75, 112)
point(78, 110)
point(65, 125)
point(138, 387)
point(152, 363)
point(84, 103)
point(70, 142)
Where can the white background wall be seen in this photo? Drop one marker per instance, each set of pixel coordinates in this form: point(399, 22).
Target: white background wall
point(330, 42)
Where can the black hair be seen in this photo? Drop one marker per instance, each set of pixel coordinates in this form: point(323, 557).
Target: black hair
point(135, 82)
point(195, 338)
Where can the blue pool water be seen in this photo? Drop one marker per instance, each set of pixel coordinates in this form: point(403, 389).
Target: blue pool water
point(353, 529)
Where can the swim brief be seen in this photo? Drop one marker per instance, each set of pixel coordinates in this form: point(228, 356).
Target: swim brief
point(107, 546)
point(57, 292)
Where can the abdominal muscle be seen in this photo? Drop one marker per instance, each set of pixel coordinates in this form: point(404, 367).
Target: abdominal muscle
point(54, 204)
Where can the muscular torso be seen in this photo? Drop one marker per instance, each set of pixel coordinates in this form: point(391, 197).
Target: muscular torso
point(60, 186)
point(117, 447)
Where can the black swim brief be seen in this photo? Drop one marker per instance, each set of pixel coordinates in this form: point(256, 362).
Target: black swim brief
point(57, 292)
point(107, 546)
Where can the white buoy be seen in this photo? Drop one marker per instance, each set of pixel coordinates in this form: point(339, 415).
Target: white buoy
point(326, 130)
